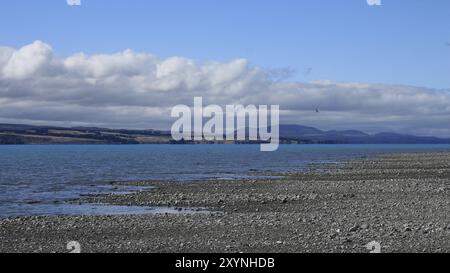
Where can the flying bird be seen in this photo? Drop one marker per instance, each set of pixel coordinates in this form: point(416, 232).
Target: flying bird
point(307, 72)
point(317, 110)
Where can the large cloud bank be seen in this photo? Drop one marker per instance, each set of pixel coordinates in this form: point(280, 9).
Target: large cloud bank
point(137, 90)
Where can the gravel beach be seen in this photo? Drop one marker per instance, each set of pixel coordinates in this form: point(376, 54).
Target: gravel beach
point(401, 201)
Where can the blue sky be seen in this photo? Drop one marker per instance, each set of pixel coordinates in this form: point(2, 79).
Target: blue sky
point(400, 42)
point(372, 68)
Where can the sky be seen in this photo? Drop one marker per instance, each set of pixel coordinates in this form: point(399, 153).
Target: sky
point(124, 63)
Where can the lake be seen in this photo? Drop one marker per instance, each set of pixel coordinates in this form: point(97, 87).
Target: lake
point(36, 180)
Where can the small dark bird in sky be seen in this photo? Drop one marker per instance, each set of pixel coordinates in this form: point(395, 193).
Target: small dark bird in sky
point(317, 110)
point(308, 72)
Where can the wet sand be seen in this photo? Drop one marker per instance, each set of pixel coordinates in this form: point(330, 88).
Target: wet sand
point(401, 201)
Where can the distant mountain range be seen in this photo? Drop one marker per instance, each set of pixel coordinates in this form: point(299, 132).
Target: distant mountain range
point(28, 134)
point(314, 135)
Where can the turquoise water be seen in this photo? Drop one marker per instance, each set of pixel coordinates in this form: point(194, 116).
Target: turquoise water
point(36, 180)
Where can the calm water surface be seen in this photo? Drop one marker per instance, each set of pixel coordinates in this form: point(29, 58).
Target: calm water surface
point(36, 180)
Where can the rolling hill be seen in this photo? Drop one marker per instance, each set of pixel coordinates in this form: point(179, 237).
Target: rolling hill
point(28, 134)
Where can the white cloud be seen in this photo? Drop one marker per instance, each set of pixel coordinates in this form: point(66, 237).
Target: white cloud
point(27, 61)
point(137, 90)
